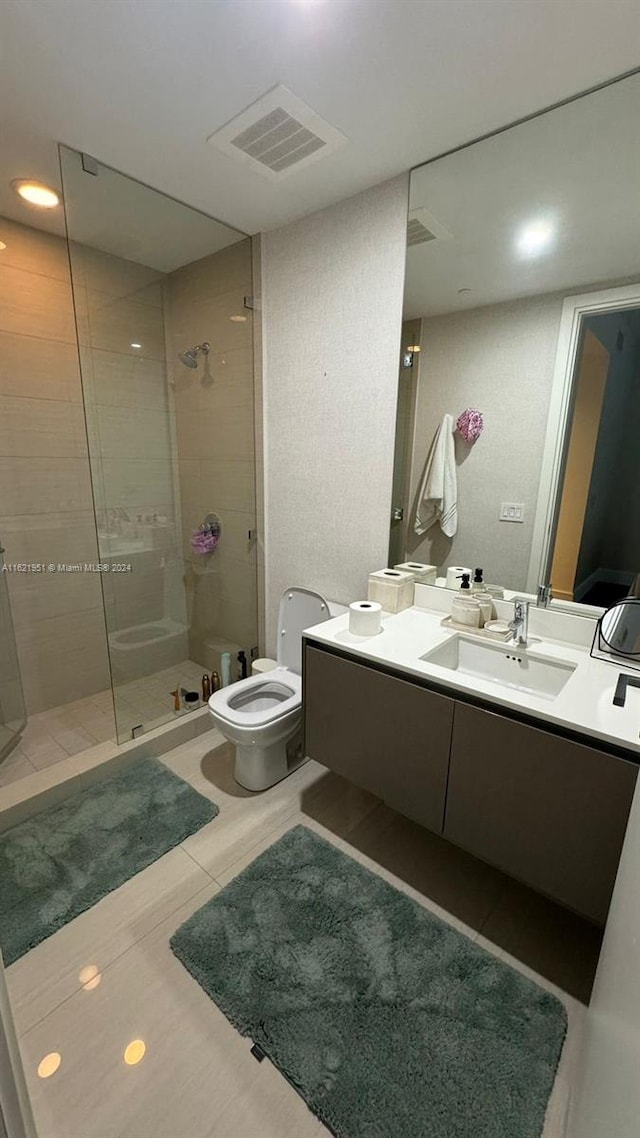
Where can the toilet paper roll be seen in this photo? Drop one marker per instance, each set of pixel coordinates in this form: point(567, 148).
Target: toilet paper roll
point(364, 618)
point(454, 573)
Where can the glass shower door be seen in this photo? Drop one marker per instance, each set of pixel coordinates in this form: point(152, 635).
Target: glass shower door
point(166, 357)
point(12, 705)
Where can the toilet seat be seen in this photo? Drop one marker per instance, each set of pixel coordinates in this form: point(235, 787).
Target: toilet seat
point(237, 703)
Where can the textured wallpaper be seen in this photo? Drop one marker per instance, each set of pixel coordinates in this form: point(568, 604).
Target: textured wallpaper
point(332, 309)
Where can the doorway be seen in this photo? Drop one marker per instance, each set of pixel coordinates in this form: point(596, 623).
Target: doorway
point(596, 553)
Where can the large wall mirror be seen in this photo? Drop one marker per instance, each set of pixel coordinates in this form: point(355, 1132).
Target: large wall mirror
point(522, 302)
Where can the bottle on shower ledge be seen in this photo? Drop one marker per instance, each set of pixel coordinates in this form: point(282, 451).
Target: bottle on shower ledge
point(206, 688)
point(242, 666)
point(225, 666)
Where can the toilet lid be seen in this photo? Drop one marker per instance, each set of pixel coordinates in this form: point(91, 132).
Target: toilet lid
point(299, 609)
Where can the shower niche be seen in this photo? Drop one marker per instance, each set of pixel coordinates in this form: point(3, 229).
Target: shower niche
point(143, 426)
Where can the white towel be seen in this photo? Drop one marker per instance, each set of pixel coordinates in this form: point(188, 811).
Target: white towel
point(438, 501)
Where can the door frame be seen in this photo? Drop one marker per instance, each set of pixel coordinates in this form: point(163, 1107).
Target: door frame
point(574, 309)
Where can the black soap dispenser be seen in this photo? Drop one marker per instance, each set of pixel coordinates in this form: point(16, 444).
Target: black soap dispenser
point(477, 585)
point(465, 586)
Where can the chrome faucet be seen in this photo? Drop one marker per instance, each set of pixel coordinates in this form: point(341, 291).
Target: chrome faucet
point(519, 626)
point(545, 596)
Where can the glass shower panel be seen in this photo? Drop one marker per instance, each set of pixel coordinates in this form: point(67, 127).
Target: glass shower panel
point(12, 706)
point(167, 373)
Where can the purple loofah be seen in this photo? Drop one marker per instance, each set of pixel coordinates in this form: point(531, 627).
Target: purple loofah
point(203, 542)
point(205, 538)
point(469, 425)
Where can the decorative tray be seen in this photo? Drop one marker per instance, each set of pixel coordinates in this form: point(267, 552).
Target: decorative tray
point(484, 633)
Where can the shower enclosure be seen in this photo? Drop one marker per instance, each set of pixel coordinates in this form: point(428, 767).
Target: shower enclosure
point(129, 385)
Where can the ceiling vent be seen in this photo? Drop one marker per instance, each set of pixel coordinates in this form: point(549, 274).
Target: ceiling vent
point(422, 226)
point(277, 134)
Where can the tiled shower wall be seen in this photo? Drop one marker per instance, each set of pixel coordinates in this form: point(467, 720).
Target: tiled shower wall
point(214, 408)
point(46, 506)
point(46, 511)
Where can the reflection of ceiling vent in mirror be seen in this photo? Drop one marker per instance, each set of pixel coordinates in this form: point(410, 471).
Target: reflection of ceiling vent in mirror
point(422, 226)
point(277, 134)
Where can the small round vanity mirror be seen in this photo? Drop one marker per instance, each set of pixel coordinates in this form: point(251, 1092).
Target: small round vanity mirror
point(620, 628)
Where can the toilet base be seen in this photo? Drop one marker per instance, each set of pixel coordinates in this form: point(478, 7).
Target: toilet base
point(258, 768)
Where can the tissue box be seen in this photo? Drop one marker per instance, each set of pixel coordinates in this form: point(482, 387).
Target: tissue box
point(391, 588)
point(422, 574)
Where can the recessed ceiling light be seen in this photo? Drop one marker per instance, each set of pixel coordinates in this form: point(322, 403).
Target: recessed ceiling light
point(238, 319)
point(413, 348)
point(36, 193)
point(2, 245)
point(135, 345)
point(535, 237)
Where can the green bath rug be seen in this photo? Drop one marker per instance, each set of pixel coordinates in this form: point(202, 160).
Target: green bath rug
point(387, 1021)
point(59, 863)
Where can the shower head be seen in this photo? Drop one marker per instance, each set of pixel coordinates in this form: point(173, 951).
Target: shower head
point(190, 357)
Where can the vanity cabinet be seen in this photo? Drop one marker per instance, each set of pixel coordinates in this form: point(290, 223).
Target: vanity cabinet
point(388, 735)
point(546, 809)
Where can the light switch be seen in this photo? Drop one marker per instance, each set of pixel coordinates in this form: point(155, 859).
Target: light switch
point(511, 512)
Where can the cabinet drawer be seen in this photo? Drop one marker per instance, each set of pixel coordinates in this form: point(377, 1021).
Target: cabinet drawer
point(548, 810)
point(387, 735)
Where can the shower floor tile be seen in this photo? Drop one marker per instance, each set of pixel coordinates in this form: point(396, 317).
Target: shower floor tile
point(197, 1078)
point(60, 732)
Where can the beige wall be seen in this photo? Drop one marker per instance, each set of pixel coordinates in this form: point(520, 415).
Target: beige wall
point(606, 1100)
point(498, 359)
point(332, 309)
point(46, 512)
point(214, 408)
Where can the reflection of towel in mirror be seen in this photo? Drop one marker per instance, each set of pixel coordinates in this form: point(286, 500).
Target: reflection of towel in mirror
point(438, 500)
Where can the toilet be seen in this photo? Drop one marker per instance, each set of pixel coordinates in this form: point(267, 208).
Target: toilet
point(263, 713)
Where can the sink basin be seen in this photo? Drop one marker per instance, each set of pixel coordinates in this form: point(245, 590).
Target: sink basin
point(502, 664)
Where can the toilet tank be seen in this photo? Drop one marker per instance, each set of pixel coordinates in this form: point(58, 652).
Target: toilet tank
point(336, 609)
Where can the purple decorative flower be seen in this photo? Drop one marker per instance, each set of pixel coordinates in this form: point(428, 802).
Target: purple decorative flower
point(470, 424)
point(205, 538)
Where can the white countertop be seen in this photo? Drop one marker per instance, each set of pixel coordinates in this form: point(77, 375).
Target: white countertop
point(584, 705)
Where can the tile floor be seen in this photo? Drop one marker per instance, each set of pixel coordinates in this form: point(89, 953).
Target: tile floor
point(197, 1078)
point(59, 732)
